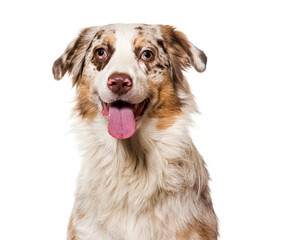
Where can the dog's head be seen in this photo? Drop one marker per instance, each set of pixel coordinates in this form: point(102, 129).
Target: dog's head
point(130, 72)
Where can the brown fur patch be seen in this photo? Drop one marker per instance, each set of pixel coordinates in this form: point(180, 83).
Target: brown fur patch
point(85, 106)
point(71, 233)
point(138, 43)
point(110, 39)
point(160, 44)
point(108, 42)
point(158, 65)
point(99, 34)
point(179, 47)
point(59, 69)
point(205, 232)
point(179, 43)
point(167, 105)
point(200, 230)
point(177, 54)
point(73, 58)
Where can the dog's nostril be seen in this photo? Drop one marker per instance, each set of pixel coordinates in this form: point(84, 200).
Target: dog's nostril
point(127, 83)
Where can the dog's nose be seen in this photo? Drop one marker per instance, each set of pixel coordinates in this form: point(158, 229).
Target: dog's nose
point(119, 83)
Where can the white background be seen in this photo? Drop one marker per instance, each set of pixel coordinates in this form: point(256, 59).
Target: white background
point(238, 131)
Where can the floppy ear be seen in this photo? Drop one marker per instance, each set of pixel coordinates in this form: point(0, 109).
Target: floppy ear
point(181, 51)
point(73, 58)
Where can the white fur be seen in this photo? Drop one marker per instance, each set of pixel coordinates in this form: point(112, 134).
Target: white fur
point(118, 202)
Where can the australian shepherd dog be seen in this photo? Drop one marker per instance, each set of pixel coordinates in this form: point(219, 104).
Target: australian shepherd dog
point(141, 178)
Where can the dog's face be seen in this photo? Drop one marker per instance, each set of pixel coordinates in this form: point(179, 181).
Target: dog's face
point(130, 72)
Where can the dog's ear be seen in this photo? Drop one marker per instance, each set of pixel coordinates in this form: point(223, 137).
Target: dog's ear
point(73, 58)
point(181, 51)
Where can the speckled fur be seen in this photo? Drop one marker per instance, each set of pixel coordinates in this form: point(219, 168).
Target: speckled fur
point(154, 185)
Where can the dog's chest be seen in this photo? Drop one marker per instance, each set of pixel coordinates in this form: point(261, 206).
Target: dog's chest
point(140, 213)
point(129, 192)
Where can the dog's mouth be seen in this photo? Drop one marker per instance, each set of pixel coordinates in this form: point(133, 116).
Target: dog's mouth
point(122, 117)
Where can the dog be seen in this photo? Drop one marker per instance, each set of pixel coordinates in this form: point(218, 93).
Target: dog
point(142, 178)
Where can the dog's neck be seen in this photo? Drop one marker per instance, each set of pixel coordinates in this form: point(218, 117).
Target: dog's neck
point(170, 143)
point(149, 149)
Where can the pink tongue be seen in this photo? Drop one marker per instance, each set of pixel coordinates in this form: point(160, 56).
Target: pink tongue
point(121, 122)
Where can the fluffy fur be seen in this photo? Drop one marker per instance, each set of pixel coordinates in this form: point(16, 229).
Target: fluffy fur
point(153, 185)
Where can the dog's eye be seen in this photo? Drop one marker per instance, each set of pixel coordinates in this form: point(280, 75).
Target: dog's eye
point(101, 54)
point(147, 56)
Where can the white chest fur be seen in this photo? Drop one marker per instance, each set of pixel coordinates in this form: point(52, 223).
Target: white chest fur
point(139, 188)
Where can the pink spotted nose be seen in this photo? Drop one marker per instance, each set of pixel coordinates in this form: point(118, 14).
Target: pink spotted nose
point(119, 83)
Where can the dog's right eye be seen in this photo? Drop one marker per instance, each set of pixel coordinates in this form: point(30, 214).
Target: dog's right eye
point(147, 56)
point(100, 54)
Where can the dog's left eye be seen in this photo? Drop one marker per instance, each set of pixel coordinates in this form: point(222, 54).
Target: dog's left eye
point(101, 54)
point(147, 56)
